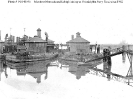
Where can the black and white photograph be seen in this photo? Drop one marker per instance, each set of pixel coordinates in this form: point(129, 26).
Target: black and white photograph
point(66, 49)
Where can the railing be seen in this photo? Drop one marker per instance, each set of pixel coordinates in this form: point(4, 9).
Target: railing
point(113, 76)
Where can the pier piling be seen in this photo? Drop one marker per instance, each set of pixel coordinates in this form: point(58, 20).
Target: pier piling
point(107, 62)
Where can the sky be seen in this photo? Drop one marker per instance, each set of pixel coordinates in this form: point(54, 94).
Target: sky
point(102, 23)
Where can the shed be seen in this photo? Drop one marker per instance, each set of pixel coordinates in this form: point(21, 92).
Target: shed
point(78, 44)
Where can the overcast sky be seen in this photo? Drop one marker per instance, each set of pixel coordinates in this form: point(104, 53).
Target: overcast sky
point(101, 23)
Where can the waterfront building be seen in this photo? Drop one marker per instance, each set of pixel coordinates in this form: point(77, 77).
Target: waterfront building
point(78, 44)
point(32, 44)
point(35, 69)
point(36, 44)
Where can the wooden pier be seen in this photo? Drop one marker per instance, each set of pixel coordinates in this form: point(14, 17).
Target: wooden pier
point(125, 50)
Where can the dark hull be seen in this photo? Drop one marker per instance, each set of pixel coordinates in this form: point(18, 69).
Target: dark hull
point(76, 61)
point(13, 59)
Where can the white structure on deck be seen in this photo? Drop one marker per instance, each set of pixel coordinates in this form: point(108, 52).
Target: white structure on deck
point(78, 44)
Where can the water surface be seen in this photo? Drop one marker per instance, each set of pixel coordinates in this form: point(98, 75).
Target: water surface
point(52, 79)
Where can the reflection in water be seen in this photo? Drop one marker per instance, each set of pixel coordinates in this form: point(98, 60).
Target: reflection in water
point(60, 83)
point(37, 69)
point(3, 68)
point(78, 71)
point(34, 69)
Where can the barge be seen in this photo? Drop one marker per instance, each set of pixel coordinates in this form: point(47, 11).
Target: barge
point(19, 58)
point(81, 60)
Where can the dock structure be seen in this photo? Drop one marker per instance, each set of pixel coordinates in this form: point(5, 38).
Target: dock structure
point(125, 50)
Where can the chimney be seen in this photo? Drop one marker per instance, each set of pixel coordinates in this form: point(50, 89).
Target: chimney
point(13, 38)
point(72, 37)
point(0, 34)
point(6, 37)
point(39, 32)
point(78, 34)
point(17, 39)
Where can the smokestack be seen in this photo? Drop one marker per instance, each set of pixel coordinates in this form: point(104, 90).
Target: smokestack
point(72, 37)
point(17, 39)
point(39, 32)
point(46, 34)
point(25, 37)
point(6, 37)
point(0, 34)
point(78, 34)
point(13, 38)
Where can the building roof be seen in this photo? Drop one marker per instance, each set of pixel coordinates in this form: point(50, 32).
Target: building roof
point(78, 39)
point(50, 41)
point(36, 39)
